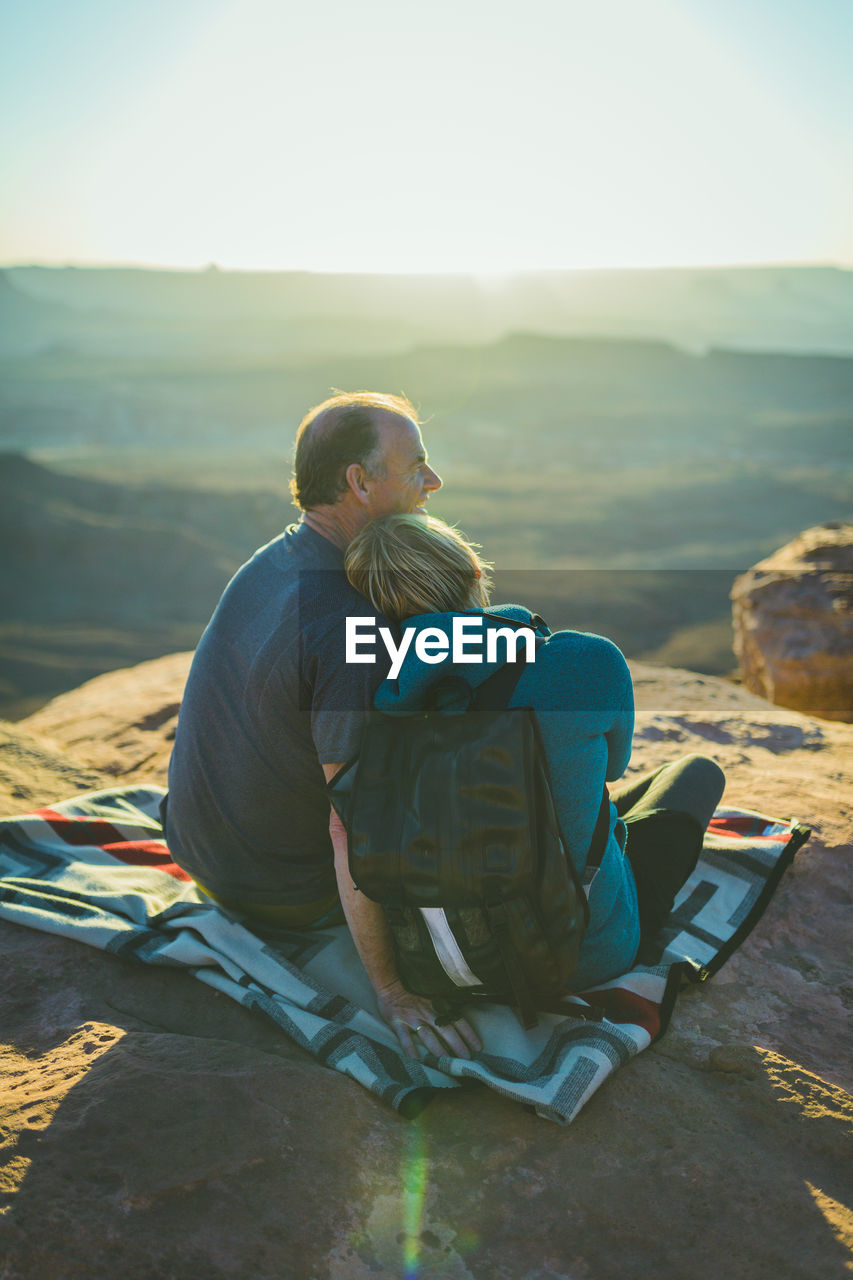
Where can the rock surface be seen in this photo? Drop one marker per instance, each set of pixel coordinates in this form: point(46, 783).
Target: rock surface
point(123, 722)
point(150, 1128)
point(793, 623)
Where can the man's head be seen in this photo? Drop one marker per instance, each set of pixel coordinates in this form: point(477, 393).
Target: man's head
point(363, 451)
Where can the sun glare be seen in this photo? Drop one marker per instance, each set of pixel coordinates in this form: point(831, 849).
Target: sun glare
point(380, 138)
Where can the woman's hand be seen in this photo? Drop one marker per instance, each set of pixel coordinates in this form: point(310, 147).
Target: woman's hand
point(413, 1020)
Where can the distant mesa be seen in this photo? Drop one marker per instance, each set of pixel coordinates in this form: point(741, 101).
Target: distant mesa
point(793, 623)
point(793, 309)
point(30, 325)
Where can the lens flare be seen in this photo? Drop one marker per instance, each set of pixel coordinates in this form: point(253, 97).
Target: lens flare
point(414, 1190)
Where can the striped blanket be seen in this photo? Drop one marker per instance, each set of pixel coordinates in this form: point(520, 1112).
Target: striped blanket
point(96, 869)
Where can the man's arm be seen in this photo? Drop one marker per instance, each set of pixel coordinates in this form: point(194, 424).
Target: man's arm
point(412, 1017)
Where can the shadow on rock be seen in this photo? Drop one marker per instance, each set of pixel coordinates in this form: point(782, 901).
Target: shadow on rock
point(178, 1157)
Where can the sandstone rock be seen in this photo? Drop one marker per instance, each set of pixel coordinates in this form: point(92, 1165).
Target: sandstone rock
point(33, 772)
point(123, 722)
point(793, 623)
point(151, 1128)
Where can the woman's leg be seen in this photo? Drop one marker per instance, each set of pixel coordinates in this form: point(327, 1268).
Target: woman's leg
point(666, 813)
point(627, 795)
point(693, 784)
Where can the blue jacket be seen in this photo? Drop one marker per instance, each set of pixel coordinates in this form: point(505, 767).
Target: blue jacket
point(580, 688)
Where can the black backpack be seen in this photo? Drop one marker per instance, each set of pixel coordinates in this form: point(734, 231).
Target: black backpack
point(452, 827)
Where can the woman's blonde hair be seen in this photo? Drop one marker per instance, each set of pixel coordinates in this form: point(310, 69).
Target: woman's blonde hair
point(408, 564)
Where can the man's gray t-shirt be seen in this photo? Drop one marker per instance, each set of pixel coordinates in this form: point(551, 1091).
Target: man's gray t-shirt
point(269, 699)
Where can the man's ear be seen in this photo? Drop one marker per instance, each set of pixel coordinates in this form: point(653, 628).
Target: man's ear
point(357, 478)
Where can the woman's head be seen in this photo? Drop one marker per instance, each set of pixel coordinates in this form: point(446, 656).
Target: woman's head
point(407, 564)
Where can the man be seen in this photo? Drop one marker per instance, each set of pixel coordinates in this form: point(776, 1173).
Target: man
point(271, 704)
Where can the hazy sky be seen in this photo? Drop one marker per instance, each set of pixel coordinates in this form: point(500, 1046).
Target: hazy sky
point(430, 135)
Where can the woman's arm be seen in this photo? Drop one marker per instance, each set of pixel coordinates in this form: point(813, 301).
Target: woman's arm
point(620, 734)
point(408, 1015)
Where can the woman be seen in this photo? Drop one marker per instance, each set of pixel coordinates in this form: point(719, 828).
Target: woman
point(422, 573)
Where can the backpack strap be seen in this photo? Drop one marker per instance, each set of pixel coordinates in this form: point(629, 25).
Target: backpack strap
point(492, 695)
point(495, 692)
point(497, 918)
point(599, 836)
point(571, 1008)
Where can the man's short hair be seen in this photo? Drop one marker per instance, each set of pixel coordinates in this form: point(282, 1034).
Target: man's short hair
point(332, 436)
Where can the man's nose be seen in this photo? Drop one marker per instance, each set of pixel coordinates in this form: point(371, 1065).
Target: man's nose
point(432, 480)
